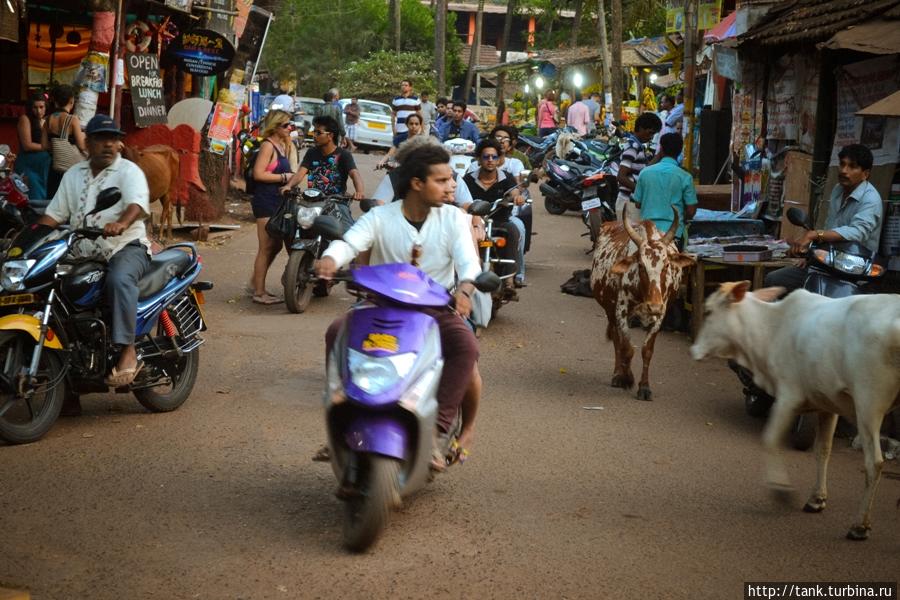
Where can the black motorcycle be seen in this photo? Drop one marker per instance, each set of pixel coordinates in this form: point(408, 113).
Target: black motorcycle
point(835, 270)
point(306, 247)
point(54, 338)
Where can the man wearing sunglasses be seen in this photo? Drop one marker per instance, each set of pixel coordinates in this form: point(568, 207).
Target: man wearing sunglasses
point(490, 183)
point(327, 167)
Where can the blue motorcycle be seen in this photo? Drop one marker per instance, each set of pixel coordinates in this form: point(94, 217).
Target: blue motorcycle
point(54, 338)
point(380, 397)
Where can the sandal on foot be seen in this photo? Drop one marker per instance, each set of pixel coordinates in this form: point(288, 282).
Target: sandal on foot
point(457, 454)
point(117, 379)
point(267, 299)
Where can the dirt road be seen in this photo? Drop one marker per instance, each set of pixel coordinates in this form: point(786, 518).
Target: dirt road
point(622, 499)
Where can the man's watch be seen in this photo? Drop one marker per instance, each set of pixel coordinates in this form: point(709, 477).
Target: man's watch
point(820, 236)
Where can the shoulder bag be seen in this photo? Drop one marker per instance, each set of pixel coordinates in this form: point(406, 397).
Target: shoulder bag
point(283, 223)
point(65, 153)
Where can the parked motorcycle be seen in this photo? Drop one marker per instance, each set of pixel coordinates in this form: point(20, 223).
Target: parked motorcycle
point(570, 185)
point(835, 270)
point(307, 246)
point(16, 208)
point(380, 396)
point(54, 336)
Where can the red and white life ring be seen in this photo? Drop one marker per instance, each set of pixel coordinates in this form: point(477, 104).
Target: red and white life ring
point(138, 37)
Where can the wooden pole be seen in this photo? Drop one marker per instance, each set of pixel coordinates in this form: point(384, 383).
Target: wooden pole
point(604, 46)
point(616, 67)
point(690, 64)
point(440, 45)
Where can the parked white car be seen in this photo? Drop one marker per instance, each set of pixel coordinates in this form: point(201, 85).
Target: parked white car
point(374, 127)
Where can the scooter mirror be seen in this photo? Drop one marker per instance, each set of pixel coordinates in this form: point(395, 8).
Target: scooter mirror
point(797, 217)
point(367, 204)
point(329, 226)
point(487, 282)
point(107, 198)
point(480, 208)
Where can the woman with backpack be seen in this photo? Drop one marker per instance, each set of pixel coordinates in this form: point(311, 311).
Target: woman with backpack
point(271, 170)
point(66, 141)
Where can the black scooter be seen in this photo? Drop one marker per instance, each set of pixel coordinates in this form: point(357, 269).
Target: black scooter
point(835, 270)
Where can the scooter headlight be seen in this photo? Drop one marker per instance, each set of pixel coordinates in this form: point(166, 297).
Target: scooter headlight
point(374, 375)
point(823, 256)
point(12, 276)
point(849, 263)
point(307, 214)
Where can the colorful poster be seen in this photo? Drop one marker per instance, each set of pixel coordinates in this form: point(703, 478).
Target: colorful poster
point(92, 73)
point(859, 85)
point(224, 119)
point(708, 15)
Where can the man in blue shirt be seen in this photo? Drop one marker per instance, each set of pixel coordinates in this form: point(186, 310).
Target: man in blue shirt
point(854, 214)
point(457, 126)
point(664, 186)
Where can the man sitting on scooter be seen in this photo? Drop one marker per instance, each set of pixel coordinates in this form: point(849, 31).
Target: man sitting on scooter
point(490, 183)
point(124, 243)
point(434, 235)
point(854, 215)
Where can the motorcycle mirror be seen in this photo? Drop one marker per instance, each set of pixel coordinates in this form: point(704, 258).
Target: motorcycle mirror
point(107, 198)
point(367, 204)
point(479, 208)
point(797, 217)
point(329, 226)
point(487, 282)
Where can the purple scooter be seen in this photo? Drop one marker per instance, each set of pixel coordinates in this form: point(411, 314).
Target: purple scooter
point(380, 396)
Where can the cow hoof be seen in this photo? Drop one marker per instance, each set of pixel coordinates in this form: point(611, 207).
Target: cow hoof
point(645, 394)
point(814, 505)
point(858, 533)
point(782, 493)
point(621, 381)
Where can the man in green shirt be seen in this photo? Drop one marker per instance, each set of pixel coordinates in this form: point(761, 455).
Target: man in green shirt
point(665, 185)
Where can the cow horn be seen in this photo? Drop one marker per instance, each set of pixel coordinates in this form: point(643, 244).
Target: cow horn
point(670, 234)
point(629, 229)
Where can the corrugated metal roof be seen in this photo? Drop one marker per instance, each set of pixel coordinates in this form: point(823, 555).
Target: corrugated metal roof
point(816, 20)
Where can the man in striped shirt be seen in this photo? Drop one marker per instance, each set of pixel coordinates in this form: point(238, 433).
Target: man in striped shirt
point(634, 158)
point(403, 105)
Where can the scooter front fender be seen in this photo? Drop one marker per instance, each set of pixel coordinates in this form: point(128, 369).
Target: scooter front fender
point(377, 435)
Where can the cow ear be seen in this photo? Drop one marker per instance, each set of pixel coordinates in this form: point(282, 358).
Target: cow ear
point(682, 261)
point(769, 294)
point(623, 265)
point(739, 290)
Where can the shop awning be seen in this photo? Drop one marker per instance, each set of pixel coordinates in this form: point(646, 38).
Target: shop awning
point(724, 29)
point(875, 37)
point(886, 107)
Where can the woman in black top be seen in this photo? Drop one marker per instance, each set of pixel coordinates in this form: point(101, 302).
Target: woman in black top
point(33, 162)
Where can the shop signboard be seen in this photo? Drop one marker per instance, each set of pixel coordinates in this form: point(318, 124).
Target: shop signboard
point(707, 16)
point(201, 52)
point(146, 86)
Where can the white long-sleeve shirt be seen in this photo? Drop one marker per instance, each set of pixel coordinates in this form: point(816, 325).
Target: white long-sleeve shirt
point(447, 253)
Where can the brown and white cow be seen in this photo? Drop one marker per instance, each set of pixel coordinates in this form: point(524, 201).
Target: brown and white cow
point(835, 356)
point(636, 271)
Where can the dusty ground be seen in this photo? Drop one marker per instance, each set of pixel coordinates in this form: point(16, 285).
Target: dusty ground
point(635, 500)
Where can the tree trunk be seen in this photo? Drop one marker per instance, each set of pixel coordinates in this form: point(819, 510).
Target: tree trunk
point(616, 67)
point(440, 46)
point(576, 24)
point(395, 24)
point(473, 54)
point(604, 45)
point(501, 76)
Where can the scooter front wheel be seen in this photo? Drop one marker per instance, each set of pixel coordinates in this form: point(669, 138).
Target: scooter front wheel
point(366, 514)
point(553, 205)
point(297, 291)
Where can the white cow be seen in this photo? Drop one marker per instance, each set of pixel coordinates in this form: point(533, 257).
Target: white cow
point(833, 356)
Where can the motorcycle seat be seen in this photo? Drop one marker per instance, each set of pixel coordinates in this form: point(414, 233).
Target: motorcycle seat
point(578, 169)
point(163, 267)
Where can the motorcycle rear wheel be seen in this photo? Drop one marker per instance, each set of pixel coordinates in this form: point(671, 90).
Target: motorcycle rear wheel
point(554, 206)
point(297, 291)
point(28, 420)
point(156, 400)
point(366, 515)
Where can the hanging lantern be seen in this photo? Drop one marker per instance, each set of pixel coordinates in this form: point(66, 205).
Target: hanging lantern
point(73, 38)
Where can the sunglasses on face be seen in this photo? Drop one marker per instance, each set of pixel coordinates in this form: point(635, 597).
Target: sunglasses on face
point(285, 125)
point(490, 157)
point(501, 138)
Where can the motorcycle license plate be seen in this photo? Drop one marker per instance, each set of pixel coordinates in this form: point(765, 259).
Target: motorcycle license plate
point(589, 204)
point(486, 244)
point(18, 299)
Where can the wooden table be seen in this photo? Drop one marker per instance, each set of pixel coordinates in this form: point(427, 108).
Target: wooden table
point(698, 281)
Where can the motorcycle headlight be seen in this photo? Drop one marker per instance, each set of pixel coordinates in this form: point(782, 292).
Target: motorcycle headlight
point(307, 214)
point(823, 256)
point(374, 375)
point(12, 275)
point(849, 263)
